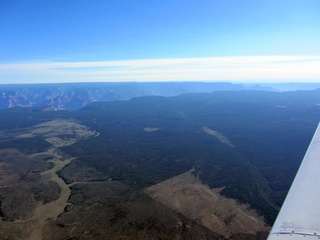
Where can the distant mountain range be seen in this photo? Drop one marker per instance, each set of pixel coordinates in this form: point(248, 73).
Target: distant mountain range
point(73, 96)
point(78, 95)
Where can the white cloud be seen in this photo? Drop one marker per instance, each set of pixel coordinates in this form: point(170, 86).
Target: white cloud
point(245, 68)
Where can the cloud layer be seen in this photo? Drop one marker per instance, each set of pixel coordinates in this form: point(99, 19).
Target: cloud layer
point(236, 69)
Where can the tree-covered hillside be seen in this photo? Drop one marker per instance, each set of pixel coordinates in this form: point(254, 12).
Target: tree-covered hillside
point(249, 143)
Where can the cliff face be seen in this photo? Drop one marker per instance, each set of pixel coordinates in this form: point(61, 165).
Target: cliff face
point(58, 97)
point(78, 95)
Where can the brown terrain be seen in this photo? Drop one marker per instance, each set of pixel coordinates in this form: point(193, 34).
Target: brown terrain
point(188, 196)
point(57, 132)
point(22, 200)
point(222, 138)
point(36, 203)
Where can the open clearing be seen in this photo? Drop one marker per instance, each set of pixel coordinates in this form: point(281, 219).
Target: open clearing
point(59, 133)
point(222, 138)
point(150, 129)
point(188, 196)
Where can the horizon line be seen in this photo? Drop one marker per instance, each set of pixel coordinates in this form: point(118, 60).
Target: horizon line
point(233, 68)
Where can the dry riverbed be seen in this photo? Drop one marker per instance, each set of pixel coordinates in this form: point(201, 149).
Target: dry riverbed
point(30, 226)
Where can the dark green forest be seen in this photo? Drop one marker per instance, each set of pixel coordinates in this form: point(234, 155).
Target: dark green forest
point(269, 134)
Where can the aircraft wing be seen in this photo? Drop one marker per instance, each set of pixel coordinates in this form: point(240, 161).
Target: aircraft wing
point(299, 216)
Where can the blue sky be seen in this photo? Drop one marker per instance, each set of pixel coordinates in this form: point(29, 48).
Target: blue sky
point(247, 40)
